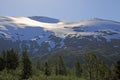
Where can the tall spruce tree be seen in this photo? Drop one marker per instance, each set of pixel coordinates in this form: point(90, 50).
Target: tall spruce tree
point(60, 67)
point(90, 64)
point(11, 59)
point(39, 64)
point(104, 71)
point(117, 70)
point(47, 70)
point(1, 64)
point(27, 66)
point(78, 68)
point(2, 60)
point(56, 68)
point(97, 69)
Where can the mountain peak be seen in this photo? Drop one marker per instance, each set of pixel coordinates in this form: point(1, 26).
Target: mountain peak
point(98, 19)
point(44, 19)
point(43, 34)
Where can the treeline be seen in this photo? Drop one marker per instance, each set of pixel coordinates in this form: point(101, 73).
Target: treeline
point(15, 67)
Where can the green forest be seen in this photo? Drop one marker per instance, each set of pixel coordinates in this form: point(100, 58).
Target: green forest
point(14, 66)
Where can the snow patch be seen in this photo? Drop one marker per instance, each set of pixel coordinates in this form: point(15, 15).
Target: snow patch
point(25, 28)
point(52, 44)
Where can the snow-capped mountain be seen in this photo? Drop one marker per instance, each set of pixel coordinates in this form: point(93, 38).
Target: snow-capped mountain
point(30, 27)
point(43, 34)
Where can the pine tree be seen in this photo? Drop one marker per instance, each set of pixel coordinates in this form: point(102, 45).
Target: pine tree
point(104, 71)
point(1, 64)
point(27, 66)
point(91, 65)
point(38, 64)
point(78, 68)
point(3, 60)
point(117, 70)
point(60, 67)
point(47, 71)
point(12, 60)
point(97, 69)
point(56, 69)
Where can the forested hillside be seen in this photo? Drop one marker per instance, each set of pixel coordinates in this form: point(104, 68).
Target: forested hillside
point(14, 66)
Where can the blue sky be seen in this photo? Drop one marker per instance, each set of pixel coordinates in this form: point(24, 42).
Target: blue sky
point(71, 10)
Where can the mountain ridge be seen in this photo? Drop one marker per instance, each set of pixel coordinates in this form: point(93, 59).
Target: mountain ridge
point(43, 38)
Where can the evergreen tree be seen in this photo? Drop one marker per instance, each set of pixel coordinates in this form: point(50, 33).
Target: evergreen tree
point(4, 57)
point(78, 69)
point(1, 64)
point(47, 71)
point(27, 66)
point(97, 69)
point(56, 69)
point(117, 70)
point(113, 72)
point(91, 65)
point(3, 60)
point(12, 60)
point(104, 71)
point(60, 67)
point(38, 64)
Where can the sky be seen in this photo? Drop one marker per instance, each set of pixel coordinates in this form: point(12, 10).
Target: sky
point(69, 10)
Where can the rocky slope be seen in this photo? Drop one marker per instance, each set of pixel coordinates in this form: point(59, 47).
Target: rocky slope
point(43, 35)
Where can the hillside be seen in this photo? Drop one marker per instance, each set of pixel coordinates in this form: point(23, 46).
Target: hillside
point(51, 37)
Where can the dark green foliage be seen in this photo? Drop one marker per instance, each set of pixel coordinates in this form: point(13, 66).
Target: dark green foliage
point(47, 70)
point(27, 66)
point(56, 68)
point(4, 57)
point(117, 70)
point(90, 62)
point(12, 60)
point(92, 69)
point(103, 71)
point(1, 64)
point(60, 67)
point(96, 69)
point(78, 68)
point(39, 64)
